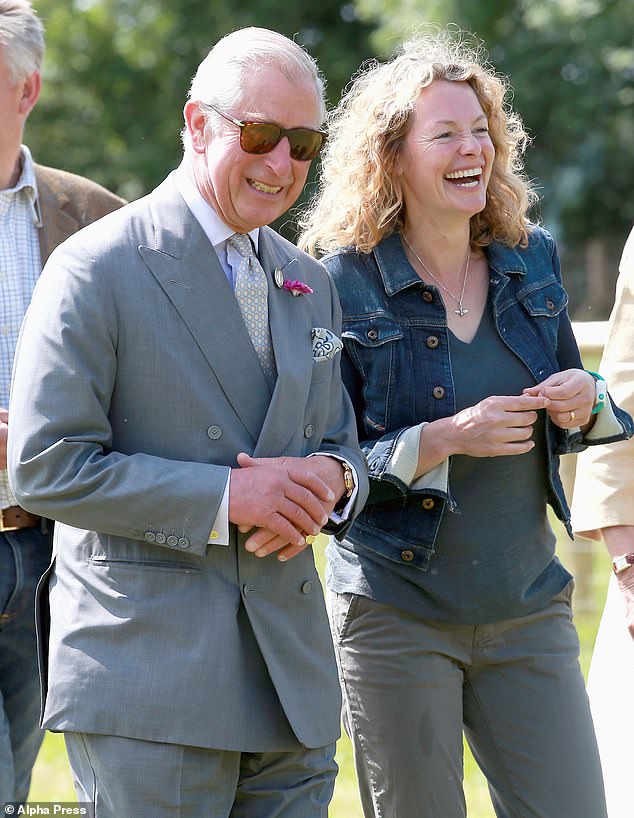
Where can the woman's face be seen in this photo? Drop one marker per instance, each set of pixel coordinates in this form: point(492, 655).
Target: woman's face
point(445, 162)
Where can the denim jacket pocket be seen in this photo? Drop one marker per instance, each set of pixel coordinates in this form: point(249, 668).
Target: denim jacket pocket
point(546, 300)
point(372, 343)
point(544, 303)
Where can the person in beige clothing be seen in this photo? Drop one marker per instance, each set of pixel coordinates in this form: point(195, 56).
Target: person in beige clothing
point(603, 508)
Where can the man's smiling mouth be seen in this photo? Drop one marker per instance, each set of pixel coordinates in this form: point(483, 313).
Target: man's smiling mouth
point(264, 188)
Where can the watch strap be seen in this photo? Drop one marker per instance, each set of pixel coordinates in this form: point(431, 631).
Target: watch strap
point(600, 391)
point(622, 563)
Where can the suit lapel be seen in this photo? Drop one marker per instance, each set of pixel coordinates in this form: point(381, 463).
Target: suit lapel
point(187, 268)
point(289, 319)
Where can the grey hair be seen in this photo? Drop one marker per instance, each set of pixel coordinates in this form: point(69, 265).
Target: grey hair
point(220, 76)
point(21, 38)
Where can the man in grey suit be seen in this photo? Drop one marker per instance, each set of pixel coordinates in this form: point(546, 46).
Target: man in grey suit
point(190, 432)
point(39, 208)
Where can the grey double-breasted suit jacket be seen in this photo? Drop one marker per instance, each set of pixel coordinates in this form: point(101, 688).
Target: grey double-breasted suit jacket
point(136, 386)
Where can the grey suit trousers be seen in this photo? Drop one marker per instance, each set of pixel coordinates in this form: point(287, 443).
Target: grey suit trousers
point(130, 778)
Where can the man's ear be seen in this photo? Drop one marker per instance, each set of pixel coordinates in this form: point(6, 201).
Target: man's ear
point(195, 122)
point(31, 86)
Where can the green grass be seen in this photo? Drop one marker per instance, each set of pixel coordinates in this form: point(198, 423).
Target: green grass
point(52, 780)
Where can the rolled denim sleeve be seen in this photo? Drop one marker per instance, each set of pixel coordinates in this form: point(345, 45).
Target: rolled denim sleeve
point(612, 424)
point(404, 461)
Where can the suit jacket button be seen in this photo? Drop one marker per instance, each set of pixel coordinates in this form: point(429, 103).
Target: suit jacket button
point(161, 539)
point(149, 536)
point(172, 540)
point(307, 587)
point(183, 542)
point(407, 556)
point(214, 432)
point(308, 431)
point(246, 589)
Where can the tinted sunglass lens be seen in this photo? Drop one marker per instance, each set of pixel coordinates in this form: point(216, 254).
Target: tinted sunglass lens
point(263, 137)
point(259, 137)
point(305, 144)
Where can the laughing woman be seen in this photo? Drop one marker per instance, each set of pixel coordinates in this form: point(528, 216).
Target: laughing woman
point(449, 609)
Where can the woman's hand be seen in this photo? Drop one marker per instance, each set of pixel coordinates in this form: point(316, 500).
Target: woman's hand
point(498, 426)
point(571, 395)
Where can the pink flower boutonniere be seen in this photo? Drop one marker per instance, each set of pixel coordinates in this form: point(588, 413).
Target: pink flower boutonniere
point(297, 287)
point(294, 286)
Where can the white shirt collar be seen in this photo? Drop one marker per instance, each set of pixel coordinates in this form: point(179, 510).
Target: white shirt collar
point(215, 228)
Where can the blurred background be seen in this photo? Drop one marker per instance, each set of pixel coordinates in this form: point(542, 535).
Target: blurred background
point(116, 77)
point(117, 73)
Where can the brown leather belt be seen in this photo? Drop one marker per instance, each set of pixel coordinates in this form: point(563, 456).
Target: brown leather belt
point(15, 517)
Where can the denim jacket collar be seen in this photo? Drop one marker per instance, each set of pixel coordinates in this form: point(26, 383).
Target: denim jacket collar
point(505, 261)
point(397, 274)
point(395, 271)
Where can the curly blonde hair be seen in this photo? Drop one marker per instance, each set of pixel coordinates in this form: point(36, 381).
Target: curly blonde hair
point(359, 200)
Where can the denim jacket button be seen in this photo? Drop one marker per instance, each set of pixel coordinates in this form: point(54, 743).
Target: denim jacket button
point(373, 334)
point(428, 503)
point(438, 392)
point(550, 304)
point(432, 342)
point(407, 556)
point(427, 296)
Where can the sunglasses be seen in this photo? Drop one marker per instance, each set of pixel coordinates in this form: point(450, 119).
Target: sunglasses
point(263, 137)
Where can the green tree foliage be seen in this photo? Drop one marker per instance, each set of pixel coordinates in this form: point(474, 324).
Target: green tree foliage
point(571, 65)
point(117, 73)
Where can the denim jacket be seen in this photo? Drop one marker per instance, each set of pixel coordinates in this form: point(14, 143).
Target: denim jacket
point(397, 369)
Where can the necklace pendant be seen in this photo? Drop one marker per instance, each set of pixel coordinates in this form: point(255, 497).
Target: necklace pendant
point(461, 311)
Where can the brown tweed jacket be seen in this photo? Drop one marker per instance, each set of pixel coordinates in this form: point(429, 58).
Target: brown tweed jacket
point(67, 203)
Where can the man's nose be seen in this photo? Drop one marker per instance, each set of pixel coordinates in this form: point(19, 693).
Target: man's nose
point(279, 159)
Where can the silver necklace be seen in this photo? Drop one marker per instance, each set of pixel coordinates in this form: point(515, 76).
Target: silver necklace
point(461, 311)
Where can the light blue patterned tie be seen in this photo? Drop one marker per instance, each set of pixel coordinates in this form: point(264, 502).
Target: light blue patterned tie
point(251, 291)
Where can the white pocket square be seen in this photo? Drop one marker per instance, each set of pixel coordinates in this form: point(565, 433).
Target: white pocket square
point(325, 344)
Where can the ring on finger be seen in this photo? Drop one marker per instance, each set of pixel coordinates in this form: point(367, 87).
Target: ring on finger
point(573, 416)
point(310, 539)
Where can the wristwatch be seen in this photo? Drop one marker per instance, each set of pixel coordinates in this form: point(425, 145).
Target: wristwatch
point(348, 478)
point(622, 563)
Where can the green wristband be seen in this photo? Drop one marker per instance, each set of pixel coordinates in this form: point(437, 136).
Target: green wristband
point(601, 391)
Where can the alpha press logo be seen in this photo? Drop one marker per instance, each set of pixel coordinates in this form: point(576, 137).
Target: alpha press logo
point(57, 808)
